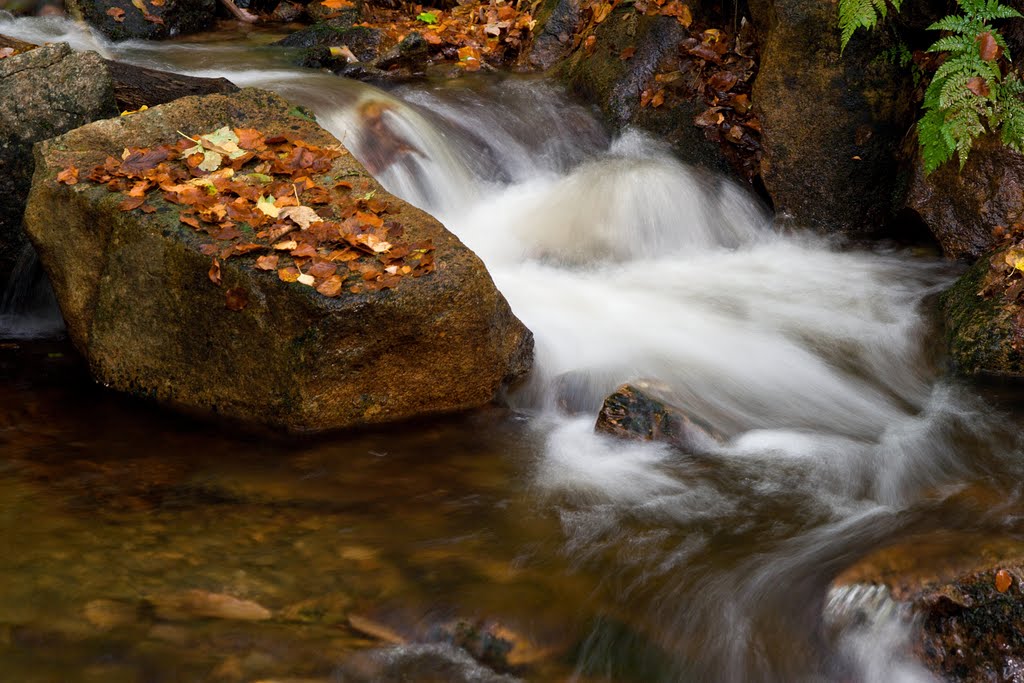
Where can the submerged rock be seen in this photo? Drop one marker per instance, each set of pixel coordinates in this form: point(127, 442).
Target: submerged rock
point(43, 92)
point(135, 290)
point(985, 330)
point(125, 20)
point(198, 604)
point(832, 124)
point(963, 207)
point(640, 411)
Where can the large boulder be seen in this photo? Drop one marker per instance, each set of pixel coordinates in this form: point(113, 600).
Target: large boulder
point(832, 123)
point(43, 92)
point(136, 292)
point(126, 20)
point(963, 207)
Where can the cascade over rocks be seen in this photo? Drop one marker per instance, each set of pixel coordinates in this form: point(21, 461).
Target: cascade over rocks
point(832, 124)
point(136, 293)
point(124, 20)
point(962, 207)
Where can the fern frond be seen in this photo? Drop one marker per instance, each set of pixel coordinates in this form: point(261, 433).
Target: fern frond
point(954, 43)
point(935, 148)
point(957, 24)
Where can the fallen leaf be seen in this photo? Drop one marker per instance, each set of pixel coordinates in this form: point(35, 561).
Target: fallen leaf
point(1003, 580)
point(267, 262)
point(627, 53)
point(289, 274)
point(427, 17)
point(287, 245)
point(337, 4)
point(117, 13)
point(307, 279)
point(69, 176)
point(345, 52)
point(331, 287)
point(131, 203)
point(215, 272)
point(235, 299)
point(266, 206)
point(978, 86)
point(302, 216)
point(988, 48)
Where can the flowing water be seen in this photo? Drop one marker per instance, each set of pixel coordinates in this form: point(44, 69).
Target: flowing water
point(617, 561)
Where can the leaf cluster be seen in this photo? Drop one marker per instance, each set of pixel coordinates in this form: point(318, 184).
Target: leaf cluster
point(272, 200)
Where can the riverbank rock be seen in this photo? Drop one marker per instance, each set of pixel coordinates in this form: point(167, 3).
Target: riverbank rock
point(832, 124)
point(43, 92)
point(598, 73)
point(962, 208)
point(641, 410)
point(159, 310)
point(985, 321)
point(144, 19)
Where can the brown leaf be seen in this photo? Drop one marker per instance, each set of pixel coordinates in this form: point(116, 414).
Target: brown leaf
point(148, 208)
point(711, 117)
point(235, 299)
point(69, 176)
point(627, 53)
point(268, 262)
point(723, 81)
point(1003, 580)
point(215, 272)
point(117, 13)
point(331, 287)
point(978, 86)
point(131, 203)
point(590, 43)
point(658, 99)
point(988, 48)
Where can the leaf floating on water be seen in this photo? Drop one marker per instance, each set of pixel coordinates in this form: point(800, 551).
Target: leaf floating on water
point(1003, 580)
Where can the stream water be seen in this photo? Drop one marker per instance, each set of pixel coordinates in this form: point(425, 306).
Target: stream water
point(612, 561)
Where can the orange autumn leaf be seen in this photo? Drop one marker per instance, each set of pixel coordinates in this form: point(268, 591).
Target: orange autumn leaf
point(214, 272)
point(338, 4)
point(289, 274)
point(331, 287)
point(268, 262)
point(69, 176)
point(116, 13)
point(1003, 580)
point(988, 48)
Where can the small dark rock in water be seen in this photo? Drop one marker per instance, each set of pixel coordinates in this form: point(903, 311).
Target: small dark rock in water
point(365, 43)
point(637, 411)
point(433, 662)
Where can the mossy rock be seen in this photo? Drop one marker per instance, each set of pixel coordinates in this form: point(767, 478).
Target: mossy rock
point(985, 335)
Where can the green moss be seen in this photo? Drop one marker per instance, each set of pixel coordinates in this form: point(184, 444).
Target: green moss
point(981, 332)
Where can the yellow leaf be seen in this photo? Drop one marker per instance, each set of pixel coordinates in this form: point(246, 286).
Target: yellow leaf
point(267, 207)
point(307, 279)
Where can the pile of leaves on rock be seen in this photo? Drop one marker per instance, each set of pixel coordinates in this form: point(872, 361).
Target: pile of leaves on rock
point(1005, 277)
point(271, 196)
point(714, 65)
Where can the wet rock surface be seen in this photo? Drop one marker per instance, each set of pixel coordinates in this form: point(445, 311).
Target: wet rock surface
point(985, 333)
point(600, 76)
point(962, 207)
point(135, 292)
point(832, 124)
point(642, 411)
point(124, 20)
point(43, 92)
